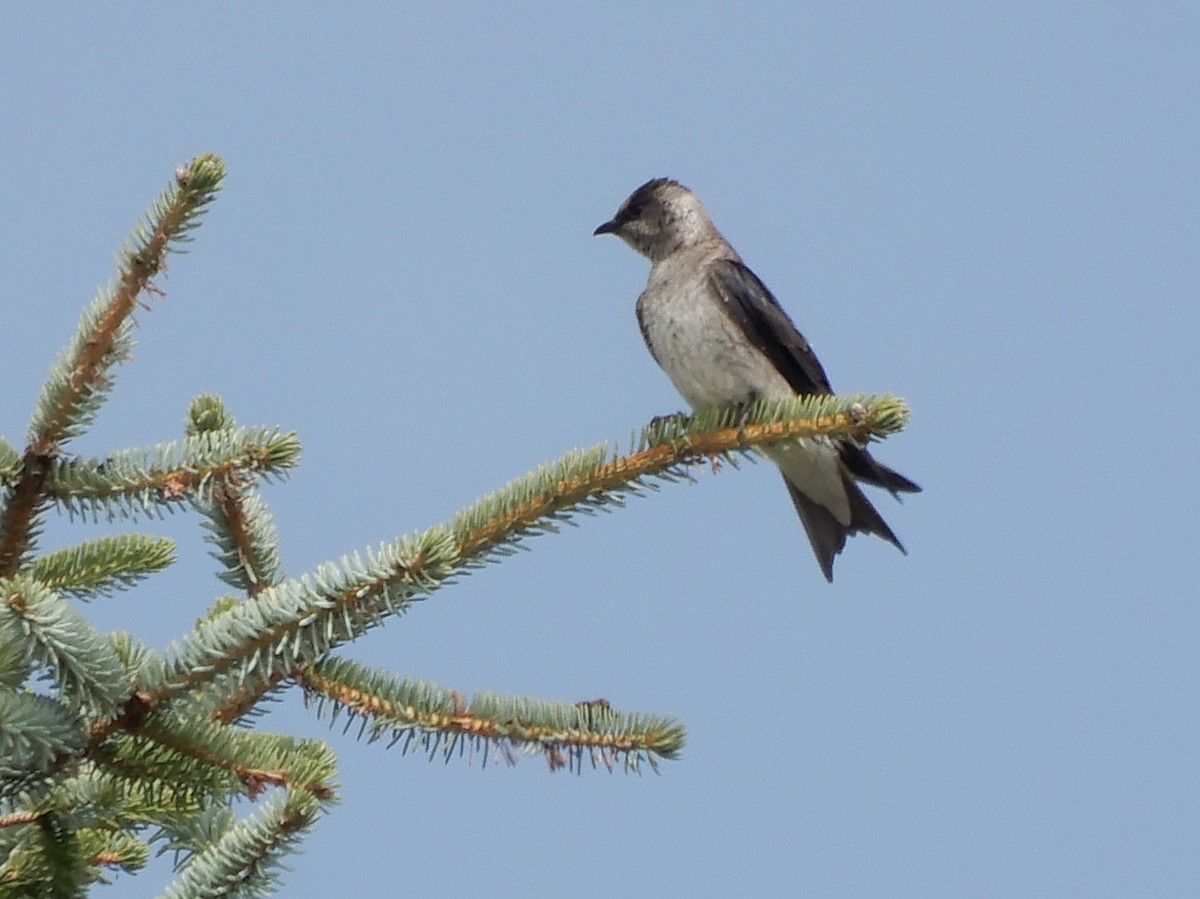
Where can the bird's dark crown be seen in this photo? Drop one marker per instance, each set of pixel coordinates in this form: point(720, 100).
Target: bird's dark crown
point(637, 202)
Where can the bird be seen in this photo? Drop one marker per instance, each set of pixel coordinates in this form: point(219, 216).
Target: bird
point(722, 337)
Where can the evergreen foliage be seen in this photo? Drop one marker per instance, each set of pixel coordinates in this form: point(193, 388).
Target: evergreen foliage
point(108, 746)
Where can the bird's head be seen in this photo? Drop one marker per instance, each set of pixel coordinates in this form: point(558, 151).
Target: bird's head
point(660, 217)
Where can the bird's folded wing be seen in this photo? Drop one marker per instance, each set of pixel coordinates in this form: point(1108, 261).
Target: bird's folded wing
point(749, 303)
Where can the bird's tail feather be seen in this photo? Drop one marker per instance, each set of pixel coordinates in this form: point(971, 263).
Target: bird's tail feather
point(863, 466)
point(828, 535)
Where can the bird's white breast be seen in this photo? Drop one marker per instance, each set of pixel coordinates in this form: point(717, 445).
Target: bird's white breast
point(710, 361)
point(702, 350)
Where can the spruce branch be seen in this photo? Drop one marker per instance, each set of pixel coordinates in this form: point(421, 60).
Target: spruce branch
point(102, 566)
point(10, 462)
point(52, 863)
point(232, 700)
point(433, 719)
point(244, 534)
point(65, 645)
point(175, 746)
point(28, 863)
point(296, 622)
point(37, 732)
point(81, 379)
point(245, 860)
point(149, 481)
point(301, 620)
point(239, 524)
point(588, 480)
point(125, 736)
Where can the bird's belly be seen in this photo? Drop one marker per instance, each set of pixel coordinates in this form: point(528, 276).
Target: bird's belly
point(707, 357)
point(710, 361)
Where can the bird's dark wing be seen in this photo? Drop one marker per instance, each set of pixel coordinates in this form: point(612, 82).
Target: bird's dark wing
point(867, 469)
point(748, 302)
point(828, 535)
point(641, 320)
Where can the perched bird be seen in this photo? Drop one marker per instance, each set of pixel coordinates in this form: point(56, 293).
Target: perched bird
point(722, 337)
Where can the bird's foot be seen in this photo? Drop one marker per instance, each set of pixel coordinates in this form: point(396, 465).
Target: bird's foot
point(675, 418)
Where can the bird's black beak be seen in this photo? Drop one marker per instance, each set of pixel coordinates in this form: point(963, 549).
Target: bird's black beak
point(606, 228)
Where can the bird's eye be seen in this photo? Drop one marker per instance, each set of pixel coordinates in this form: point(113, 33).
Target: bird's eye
point(632, 211)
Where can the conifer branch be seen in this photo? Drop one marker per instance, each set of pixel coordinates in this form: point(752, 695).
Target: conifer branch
point(82, 378)
point(64, 643)
point(438, 720)
point(49, 861)
point(247, 855)
point(10, 462)
point(69, 402)
point(243, 532)
point(160, 477)
point(301, 620)
point(128, 737)
point(593, 479)
point(244, 698)
point(297, 622)
point(238, 521)
point(36, 733)
point(100, 842)
point(102, 566)
point(218, 750)
point(195, 756)
point(19, 513)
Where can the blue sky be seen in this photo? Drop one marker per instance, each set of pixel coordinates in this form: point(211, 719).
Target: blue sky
point(990, 209)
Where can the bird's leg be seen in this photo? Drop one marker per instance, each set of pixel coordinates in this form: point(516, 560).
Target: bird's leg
point(743, 409)
point(738, 420)
point(675, 418)
point(672, 429)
